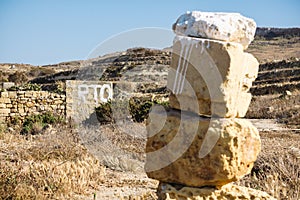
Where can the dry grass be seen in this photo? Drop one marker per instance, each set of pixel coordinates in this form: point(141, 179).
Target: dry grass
point(55, 166)
point(275, 49)
point(283, 108)
point(277, 170)
point(49, 166)
point(114, 147)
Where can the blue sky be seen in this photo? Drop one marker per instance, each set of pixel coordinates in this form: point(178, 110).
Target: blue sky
point(50, 31)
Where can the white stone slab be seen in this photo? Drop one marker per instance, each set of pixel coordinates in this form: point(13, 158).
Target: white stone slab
point(229, 27)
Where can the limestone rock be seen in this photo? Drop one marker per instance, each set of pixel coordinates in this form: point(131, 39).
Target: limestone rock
point(227, 192)
point(211, 77)
point(229, 27)
point(187, 149)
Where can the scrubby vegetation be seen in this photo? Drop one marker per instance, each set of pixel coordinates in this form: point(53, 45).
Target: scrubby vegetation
point(34, 124)
point(26, 87)
point(139, 109)
point(43, 157)
point(52, 165)
point(284, 108)
point(277, 170)
point(40, 71)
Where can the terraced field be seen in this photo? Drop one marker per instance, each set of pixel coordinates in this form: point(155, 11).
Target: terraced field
point(277, 78)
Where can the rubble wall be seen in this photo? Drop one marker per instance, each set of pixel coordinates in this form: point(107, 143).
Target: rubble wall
point(19, 104)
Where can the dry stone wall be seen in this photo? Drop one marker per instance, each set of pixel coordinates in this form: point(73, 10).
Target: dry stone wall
point(78, 104)
point(19, 104)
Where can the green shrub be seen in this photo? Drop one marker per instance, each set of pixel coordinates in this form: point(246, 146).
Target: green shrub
point(60, 87)
point(26, 87)
point(33, 124)
point(104, 113)
point(138, 108)
point(15, 121)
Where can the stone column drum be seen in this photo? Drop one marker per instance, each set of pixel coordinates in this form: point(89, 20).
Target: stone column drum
point(201, 145)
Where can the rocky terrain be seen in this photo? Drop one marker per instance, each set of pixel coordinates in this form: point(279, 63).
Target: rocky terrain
point(75, 174)
point(279, 72)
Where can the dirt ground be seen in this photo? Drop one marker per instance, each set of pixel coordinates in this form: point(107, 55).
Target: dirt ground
point(273, 168)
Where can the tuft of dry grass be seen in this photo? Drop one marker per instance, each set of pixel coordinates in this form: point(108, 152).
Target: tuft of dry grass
point(283, 108)
point(277, 170)
point(117, 148)
point(49, 166)
point(54, 165)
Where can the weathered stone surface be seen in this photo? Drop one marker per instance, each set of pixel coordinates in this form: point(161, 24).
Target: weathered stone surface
point(12, 94)
point(6, 85)
point(84, 96)
point(24, 103)
point(227, 192)
point(5, 100)
point(4, 94)
point(211, 77)
point(194, 151)
point(229, 27)
point(4, 110)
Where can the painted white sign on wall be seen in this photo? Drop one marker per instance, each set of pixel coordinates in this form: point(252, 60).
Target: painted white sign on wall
point(101, 93)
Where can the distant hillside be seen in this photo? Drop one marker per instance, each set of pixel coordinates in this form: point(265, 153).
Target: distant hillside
point(270, 33)
point(271, 45)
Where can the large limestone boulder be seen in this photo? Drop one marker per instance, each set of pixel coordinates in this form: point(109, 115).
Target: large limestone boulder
point(227, 192)
point(229, 27)
point(211, 77)
point(187, 149)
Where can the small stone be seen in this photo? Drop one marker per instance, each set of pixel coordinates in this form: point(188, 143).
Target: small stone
point(288, 93)
point(30, 104)
point(28, 94)
point(229, 27)
point(12, 94)
point(5, 111)
point(6, 100)
point(53, 107)
point(58, 101)
point(4, 94)
point(7, 85)
point(21, 111)
point(20, 93)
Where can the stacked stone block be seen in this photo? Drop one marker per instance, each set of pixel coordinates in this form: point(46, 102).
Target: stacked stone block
point(19, 104)
point(201, 145)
